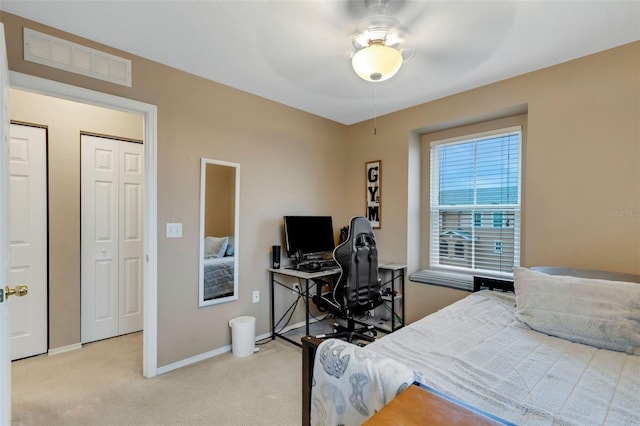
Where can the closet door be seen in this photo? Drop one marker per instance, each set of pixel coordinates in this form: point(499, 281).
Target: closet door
point(99, 238)
point(111, 235)
point(130, 241)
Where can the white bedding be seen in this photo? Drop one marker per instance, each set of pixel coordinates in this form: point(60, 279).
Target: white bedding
point(476, 351)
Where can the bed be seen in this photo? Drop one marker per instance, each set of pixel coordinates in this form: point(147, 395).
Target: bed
point(218, 277)
point(563, 349)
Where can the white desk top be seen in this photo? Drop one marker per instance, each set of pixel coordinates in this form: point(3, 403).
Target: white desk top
point(309, 275)
point(302, 274)
point(391, 266)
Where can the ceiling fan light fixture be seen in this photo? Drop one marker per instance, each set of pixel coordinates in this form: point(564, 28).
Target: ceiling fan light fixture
point(376, 62)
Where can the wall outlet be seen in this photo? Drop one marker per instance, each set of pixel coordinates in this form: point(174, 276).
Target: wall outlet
point(256, 296)
point(296, 289)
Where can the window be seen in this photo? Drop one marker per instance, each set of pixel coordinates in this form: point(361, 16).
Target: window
point(497, 219)
point(477, 219)
point(444, 249)
point(474, 178)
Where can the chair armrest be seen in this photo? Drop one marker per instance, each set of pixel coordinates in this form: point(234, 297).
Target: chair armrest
point(320, 284)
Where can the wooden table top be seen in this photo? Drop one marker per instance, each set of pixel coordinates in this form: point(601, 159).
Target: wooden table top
point(418, 406)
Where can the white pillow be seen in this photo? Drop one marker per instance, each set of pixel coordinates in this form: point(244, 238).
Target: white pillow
point(215, 246)
point(600, 313)
point(231, 249)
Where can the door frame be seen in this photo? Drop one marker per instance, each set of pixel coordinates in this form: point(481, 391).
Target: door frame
point(150, 211)
point(5, 341)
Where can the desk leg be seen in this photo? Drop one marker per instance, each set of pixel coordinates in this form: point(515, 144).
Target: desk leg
point(404, 320)
point(306, 304)
point(393, 301)
point(273, 309)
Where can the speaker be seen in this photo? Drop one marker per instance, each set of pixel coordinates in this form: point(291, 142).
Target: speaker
point(344, 234)
point(275, 257)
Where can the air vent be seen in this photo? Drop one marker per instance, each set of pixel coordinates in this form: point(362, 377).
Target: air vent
point(58, 53)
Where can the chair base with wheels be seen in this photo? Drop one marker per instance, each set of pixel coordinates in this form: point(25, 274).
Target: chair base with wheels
point(350, 332)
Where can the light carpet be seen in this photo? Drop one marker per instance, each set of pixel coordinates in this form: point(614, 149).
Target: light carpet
point(102, 384)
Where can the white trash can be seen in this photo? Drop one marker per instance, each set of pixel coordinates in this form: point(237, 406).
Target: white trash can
point(243, 336)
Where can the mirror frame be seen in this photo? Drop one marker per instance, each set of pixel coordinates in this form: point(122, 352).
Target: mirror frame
point(236, 235)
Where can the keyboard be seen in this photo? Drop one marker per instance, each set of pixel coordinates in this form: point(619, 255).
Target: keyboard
point(327, 264)
point(317, 265)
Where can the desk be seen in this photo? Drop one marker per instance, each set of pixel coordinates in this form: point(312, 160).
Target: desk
point(396, 270)
point(420, 405)
point(301, 275)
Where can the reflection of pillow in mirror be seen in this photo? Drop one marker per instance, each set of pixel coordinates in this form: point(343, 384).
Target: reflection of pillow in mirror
point(215, 246)
point(230, 247)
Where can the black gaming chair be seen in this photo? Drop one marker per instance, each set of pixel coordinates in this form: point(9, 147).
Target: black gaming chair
point(357, 289)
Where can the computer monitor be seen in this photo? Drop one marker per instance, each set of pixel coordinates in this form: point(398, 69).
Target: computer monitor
point(308, 235)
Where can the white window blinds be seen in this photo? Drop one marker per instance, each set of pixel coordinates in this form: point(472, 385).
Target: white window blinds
point(475, 203)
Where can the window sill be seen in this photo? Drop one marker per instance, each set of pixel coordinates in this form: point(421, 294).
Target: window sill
point(453, 280)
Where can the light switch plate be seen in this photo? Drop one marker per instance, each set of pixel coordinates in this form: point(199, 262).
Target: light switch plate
point(174, 230)
point(256, 296)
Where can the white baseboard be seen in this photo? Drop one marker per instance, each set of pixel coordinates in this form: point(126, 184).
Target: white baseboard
point(263, 336)
point(64, 349)
point(203, 356)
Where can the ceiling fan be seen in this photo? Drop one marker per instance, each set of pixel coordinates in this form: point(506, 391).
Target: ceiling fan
point(378, 40)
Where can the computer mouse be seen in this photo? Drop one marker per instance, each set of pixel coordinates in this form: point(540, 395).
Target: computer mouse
point(314, 266)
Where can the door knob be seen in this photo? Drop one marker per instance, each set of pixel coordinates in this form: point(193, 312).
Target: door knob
point(19, 290)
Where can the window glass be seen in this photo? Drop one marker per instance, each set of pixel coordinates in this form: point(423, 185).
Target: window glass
point(475, 201)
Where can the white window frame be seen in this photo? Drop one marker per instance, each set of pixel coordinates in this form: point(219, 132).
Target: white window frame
point(435, 265)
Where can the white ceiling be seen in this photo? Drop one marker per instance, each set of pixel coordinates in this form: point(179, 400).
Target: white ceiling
point(298, 52)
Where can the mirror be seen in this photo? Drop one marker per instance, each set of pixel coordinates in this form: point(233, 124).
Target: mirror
point(219, 202)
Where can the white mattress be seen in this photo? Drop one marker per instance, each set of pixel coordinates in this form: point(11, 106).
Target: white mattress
point(476, 351)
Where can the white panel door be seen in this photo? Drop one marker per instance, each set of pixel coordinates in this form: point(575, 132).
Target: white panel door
point(111, 234)
point(5, 357)
point(130, 237)
point(99, 239)
point(28, 239)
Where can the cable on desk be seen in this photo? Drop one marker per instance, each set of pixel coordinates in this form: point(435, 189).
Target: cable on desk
point(264, 341)
point(290, 310)
point(306, 299)
point(284, 285)
point(398, 318)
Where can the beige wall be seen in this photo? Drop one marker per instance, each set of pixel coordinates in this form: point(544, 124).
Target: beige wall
point(289, 165)
point(580, 162)
point(65, 121)
point(581, 169)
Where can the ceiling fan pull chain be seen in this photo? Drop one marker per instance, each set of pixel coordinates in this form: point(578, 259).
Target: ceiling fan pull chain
point(375, 109)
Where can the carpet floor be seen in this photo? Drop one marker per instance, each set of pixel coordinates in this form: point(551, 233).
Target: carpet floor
point(102, 384)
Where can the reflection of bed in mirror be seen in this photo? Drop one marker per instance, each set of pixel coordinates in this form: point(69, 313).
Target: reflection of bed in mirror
point(218, 267)
point(218, 277)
